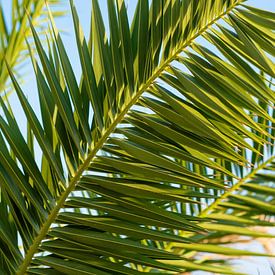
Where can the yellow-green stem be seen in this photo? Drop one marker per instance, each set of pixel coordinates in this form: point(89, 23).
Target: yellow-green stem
point(235, 187)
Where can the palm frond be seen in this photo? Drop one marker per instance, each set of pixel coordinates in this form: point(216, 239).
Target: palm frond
point(14, 29)
point(159, 126)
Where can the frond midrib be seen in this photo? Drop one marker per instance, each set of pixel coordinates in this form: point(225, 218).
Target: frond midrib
point(227, 193)
point(53, 215)
point(235, 187)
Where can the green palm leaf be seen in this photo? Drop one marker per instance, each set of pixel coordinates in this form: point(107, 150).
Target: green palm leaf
point(158, 127)
point(14, 29)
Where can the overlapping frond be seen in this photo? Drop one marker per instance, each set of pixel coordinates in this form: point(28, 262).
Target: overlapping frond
point(160, 128)
point(14, 29)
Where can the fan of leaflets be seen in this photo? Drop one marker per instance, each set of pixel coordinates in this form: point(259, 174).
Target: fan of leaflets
point(14, 29)
point(165, 144)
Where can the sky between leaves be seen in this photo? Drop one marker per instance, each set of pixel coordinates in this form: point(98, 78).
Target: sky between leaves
point(66, 25)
